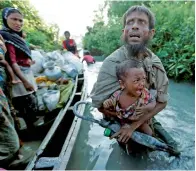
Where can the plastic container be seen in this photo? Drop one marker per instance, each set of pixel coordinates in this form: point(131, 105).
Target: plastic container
point(52, 72)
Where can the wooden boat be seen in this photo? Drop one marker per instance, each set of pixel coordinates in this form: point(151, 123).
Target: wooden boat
point(55, 137)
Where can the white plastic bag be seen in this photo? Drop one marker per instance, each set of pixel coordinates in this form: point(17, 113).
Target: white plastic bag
point(70, 70)
point(59, 58)
point(51, 99)
point(38, 58)
point(71, 58)
point(56, 57)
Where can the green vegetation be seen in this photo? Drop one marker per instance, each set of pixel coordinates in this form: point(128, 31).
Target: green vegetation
point(38, 33)
point(174, 41)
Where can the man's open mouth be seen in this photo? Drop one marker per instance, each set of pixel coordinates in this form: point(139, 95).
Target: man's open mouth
point(134, 36)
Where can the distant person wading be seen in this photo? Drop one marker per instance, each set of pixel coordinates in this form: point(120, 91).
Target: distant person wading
point(88, 58)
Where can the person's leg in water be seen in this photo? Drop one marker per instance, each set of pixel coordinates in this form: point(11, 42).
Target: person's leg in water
point(144, 128)
point(164, 135)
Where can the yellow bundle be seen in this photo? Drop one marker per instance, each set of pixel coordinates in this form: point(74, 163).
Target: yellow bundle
point(41, 79)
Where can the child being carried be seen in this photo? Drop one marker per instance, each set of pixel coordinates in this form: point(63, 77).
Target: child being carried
point(133, 99)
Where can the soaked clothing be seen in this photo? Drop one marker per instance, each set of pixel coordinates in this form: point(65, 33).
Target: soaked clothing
point(113, 103)
point(107, 82)
point(9, 141)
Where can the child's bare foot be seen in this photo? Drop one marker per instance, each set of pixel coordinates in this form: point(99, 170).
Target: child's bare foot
point(15, 81)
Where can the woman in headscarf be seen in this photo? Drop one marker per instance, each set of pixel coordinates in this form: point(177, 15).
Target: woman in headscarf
point(19, 57)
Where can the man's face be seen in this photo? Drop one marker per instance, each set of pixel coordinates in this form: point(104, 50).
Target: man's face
point(136, 33)
point(136, 28)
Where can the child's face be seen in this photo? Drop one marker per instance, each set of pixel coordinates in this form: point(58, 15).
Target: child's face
point(134, 82)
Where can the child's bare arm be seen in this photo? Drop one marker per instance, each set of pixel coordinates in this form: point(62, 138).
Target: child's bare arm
point(10, 71)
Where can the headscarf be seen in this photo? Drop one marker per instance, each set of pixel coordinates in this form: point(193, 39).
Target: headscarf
point(11, 36)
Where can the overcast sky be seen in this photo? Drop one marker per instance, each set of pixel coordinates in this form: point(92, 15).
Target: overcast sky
point(72, 15)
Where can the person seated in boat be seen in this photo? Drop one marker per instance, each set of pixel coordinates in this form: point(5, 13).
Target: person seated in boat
point(69, 44)
point(132, 95)
point(19, 57)
point(5, 63)
point(138, 30)
point(88, 58)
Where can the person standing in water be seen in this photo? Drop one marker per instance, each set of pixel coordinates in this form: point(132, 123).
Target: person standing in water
point(138, 30)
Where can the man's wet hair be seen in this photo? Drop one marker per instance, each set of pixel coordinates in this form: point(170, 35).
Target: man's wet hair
point(123, 67)
point(67, 32)
point(142, 9)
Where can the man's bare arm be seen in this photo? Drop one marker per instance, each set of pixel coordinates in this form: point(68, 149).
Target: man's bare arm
point(145, 109)
point(159, 107)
